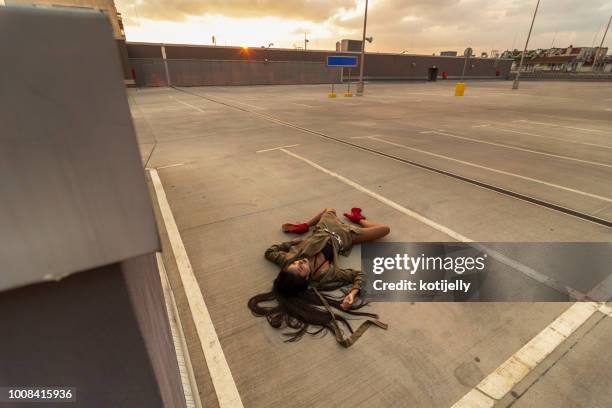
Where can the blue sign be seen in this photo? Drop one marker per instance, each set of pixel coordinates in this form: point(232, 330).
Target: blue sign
point(341, 61)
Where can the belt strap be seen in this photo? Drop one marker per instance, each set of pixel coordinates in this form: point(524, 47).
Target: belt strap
point(348, 341)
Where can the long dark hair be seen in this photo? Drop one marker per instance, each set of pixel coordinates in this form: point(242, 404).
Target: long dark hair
point(299, 307)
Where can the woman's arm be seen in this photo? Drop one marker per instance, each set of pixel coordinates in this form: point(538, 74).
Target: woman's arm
point(357, 278)
point(278, 253)
point(349, 299)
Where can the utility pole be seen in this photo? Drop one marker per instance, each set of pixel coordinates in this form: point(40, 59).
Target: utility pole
point(305, 42)
point(596, 59)
point(362, 60)
point(515, 84)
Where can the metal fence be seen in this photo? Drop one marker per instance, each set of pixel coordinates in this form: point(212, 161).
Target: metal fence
point(198, 72)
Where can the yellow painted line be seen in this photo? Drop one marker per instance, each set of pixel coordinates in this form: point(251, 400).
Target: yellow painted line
point(220, 374)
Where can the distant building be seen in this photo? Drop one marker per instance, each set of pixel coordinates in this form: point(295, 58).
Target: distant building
point(350, 45)
point(448, 54)
point(570, 59)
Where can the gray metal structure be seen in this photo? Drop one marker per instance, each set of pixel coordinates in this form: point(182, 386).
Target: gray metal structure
point(81, 298)
point(71, 180)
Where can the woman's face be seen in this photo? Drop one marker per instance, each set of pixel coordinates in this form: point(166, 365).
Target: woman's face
point(301, 267)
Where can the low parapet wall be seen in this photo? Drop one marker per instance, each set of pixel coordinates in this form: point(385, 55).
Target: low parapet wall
point(563, 76)
point(208, 65)
point(199, 72)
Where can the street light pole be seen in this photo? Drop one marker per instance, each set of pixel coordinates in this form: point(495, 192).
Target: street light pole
point(362, 61)
point(596, 59)
point(515, 84)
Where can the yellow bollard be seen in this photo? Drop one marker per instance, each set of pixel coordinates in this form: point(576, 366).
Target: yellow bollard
point(331, 95)
point(348, 94)
point(459, 89)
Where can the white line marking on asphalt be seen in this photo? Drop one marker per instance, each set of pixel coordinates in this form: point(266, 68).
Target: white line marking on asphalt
point(498, 256)
point(361, 137)
point(303, 104)
point(520, 148)
point(501, 381)
point(384, 200)
point(474, 399)
point(220, 374)
point(563, 126)
point(605, 309)
point(188, 104)
point(551, 137)
point(480, 126)
point(598, 197)
point(276, 148)
point(602, 291)
point(170, 165)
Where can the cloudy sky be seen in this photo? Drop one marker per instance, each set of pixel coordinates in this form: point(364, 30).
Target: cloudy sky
point(418, 26)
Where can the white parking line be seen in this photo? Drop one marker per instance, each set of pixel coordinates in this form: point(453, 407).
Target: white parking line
point(501, 381)
point(519, 148)
point(598, 197)
point(170, 165)
point(605, 309)
point(551, 137)
point(563, 126)
point(384, 200)
point(188, 104)
point(220, 374)
point(276, 148)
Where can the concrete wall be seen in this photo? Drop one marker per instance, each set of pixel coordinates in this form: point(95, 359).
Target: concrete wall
point(564, 76)
point(377, 67)
point(80, 332)
point(198, 72)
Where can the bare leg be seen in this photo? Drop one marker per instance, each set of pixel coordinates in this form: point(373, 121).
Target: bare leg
point(371, 231)
point(301, 228)
point(315, 220)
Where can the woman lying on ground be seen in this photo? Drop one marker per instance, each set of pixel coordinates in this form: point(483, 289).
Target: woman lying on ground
point(309, 266)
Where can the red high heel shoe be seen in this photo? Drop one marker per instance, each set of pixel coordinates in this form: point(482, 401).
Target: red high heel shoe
point(296, 228)
point(355, 215)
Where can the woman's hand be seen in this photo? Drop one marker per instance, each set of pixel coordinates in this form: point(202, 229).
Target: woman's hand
point(348, 300)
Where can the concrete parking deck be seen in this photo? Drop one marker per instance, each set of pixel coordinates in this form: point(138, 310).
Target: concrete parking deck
point(236, 162)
